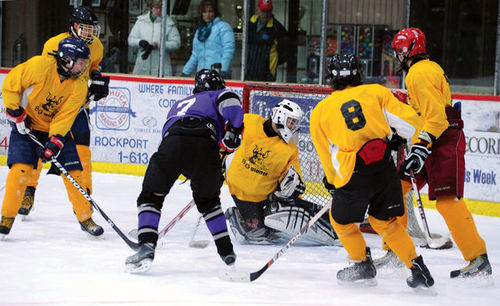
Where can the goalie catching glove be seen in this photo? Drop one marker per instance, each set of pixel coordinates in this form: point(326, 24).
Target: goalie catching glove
point(20, 119)
point(291, 185)
point(99, 86)
point(52, 148)
point(231, 139)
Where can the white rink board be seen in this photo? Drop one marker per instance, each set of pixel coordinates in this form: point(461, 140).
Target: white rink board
point(126, 128)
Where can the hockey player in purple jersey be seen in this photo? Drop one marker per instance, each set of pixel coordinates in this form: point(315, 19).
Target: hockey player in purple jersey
point(197, 129)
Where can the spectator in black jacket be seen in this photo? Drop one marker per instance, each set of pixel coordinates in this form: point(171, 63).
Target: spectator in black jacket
point(267, 44)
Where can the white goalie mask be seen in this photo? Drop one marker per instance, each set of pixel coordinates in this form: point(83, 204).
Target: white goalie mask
point(287, 115)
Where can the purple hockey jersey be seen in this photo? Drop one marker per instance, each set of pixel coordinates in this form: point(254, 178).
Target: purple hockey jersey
point(218, 106)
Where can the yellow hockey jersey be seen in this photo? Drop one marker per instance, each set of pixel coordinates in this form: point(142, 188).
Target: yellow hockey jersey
point(51, 104)
point(429, 94)
point(260, 162)
point(343, 122)
point(96, 51)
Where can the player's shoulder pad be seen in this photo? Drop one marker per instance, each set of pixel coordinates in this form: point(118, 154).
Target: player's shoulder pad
point(228, 95)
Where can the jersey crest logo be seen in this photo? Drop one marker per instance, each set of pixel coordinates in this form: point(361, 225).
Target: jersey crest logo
point(256, 162)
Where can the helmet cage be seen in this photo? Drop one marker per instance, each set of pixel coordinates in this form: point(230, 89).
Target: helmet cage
point(283, 111)
point(86, 32)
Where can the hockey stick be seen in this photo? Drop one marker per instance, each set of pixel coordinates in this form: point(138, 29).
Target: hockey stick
point(133, 245)
point(134, 234)
point(244, 277)
point(198, 244)
point(443, 242)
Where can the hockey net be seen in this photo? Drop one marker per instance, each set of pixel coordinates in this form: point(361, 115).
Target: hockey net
point(261, 98)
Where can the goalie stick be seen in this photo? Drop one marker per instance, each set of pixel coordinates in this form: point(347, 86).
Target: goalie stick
point(133, 245)
point(235, 276)
point(443, 242)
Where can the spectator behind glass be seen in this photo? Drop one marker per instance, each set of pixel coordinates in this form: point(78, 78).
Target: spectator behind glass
point(213, 42)
point(267, 44)
point(145, 34)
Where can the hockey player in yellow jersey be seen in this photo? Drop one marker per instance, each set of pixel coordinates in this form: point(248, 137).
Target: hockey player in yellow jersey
point(44, 95)
point(350, 131)
point(440, 145)
point(264, 179)
point(84, 25)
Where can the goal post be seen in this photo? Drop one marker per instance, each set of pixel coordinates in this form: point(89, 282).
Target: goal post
point(261, 98)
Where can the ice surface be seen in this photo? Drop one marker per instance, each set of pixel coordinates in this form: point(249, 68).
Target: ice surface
point(48, 260)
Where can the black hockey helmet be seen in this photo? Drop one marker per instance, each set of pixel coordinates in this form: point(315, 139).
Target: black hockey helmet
point(88, 24)
point(74, 52)
point(344, 70)
point(207, 79)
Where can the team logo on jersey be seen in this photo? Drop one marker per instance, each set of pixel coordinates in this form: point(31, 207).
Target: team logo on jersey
point(256, 162)
point(114, 111)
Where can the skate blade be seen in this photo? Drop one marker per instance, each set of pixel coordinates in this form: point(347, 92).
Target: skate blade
point(24, 217)
point(425, 291)
point(3, 237)
point(479, 281)
point(200, 244)
point(358, 283)
point(141, 267)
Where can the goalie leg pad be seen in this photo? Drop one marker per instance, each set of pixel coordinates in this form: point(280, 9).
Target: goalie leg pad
point(289, 220)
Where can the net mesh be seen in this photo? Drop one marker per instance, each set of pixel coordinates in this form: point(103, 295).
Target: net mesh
point(260, 99)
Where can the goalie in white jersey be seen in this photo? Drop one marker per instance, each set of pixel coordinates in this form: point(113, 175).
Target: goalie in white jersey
point(264, 180)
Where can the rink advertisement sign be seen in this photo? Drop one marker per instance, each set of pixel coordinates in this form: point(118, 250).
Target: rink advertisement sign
point(482, 161)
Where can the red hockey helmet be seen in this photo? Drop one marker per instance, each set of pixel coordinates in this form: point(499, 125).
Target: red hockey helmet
point(408, 43)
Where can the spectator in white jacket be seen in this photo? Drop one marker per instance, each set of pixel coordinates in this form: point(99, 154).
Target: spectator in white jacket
point(145, 35)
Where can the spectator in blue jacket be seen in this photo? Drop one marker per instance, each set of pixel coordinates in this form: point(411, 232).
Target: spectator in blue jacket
point(213, 42)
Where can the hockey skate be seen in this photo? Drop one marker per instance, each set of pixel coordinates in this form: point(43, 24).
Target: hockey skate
point(5, 226)
point(142, 260)
point(389, 261)
point(360, 273)
point(478, 267)
point(27, 203)
point(91, 227)
point(420, 275)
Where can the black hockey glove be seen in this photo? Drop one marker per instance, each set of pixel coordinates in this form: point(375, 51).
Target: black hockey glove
point(19, 119)
point(414, 162)
point(147, 47)
point(99, 86)
point(231, 139)
point(329, 187)
point(52, 148)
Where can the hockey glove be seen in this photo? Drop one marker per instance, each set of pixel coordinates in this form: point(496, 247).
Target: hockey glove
point(99, 86)
point(52, 148)
point(231, 139)
point(20, 119)
point(329, 187)
point(147, 49)
point(291, 186)
point(414, 162)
